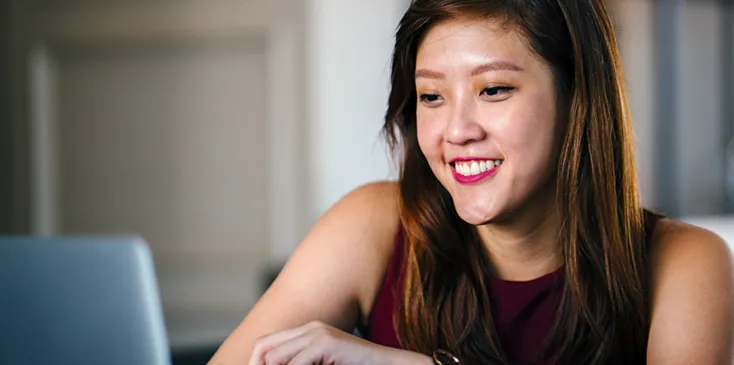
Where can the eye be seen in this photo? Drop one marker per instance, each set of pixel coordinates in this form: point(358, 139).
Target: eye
point(430, 99)
point(497, 93)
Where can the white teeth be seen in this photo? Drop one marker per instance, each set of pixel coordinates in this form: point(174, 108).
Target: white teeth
point(475, 167)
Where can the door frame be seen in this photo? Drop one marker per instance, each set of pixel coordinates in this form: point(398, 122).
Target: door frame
point(46, 27)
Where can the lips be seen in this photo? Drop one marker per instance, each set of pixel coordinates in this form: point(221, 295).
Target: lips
point(470, 171)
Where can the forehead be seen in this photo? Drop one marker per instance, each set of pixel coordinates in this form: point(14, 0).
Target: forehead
point(458, 41)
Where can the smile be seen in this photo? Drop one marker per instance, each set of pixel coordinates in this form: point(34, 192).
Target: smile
point(472, 171)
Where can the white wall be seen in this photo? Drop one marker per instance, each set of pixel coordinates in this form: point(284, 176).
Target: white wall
point(349, 49)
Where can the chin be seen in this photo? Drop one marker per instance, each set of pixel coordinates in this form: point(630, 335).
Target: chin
point(477, 216)
point(476, 208)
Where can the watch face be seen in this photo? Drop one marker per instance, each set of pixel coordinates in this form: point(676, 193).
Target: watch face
point(442, 357)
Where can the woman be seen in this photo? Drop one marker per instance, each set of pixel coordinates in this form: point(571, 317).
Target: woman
point(515, 234)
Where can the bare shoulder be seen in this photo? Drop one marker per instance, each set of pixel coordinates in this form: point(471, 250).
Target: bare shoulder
point(692, 299)
point(369, 210)
point(356, 238)
point(681, 246)
point(334, 274)
point(348, 248)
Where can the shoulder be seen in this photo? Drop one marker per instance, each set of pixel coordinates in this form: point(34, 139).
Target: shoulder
point(692, 298)
point(371, 210)
point(363, 222)
point(355, 238)
point(678, 246)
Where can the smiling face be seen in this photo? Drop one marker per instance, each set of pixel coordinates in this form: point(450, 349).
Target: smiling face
point(487, 118)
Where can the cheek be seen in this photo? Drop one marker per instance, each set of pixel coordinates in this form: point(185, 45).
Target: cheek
point(430, 136)
point(531, 138)
point(538, 140)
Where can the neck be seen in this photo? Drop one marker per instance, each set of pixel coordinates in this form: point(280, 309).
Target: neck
point(526, 246)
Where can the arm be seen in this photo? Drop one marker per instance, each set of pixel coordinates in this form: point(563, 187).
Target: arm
point(692, 297)
point(331, 279)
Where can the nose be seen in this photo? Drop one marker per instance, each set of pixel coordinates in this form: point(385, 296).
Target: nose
point(463, 126)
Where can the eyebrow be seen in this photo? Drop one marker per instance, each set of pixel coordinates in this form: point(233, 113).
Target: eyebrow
point(491, 66)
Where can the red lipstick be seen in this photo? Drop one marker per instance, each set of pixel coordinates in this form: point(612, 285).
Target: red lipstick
point(472, 179)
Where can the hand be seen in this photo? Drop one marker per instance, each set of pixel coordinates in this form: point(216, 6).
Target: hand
point(318, 343)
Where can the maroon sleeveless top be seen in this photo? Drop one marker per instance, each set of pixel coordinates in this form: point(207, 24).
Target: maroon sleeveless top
point(523, 312)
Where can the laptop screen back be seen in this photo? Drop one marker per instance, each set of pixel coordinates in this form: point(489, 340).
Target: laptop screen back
point(80, 301)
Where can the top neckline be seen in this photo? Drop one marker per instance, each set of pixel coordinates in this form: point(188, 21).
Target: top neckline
point(542, 280)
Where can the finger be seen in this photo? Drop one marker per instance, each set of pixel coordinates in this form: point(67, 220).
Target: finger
point(266, 343)
point(285, 351)
point(309, 356)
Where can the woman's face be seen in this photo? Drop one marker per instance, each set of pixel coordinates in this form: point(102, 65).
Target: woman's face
point(487, 118)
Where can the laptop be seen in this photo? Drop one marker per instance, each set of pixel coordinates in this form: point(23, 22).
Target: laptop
point(80, 301)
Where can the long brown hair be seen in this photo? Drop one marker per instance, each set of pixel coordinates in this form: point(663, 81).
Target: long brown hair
point(603, 316)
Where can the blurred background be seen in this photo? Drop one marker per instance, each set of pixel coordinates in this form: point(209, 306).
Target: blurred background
point(220, 130)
